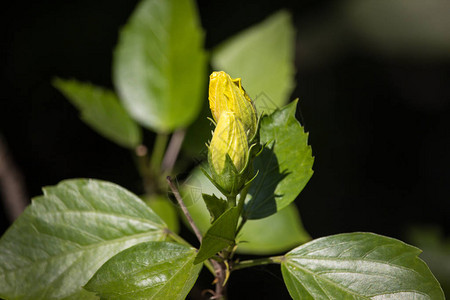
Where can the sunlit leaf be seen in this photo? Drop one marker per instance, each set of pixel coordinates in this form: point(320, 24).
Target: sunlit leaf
point(358, 266)
point(263, 56)
point(285, 165)
point(160, 66)
point(153, 270)
point(64, 236)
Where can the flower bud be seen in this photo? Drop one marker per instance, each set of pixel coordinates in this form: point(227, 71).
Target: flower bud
point(228, 153)
point(227, 94)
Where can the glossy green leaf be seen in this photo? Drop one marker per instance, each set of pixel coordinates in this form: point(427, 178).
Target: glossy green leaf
point(281, 231)
point(285, 165)
point(216, 206)
point(153, 270)
point(263, 56)
point(358, 266)
point(277, 233)
point(165, 209)
point(220, 235)
point(100, 108)
point(64, 236)
point(160, 66)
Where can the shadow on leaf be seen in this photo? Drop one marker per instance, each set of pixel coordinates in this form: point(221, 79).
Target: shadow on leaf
point(262, 201)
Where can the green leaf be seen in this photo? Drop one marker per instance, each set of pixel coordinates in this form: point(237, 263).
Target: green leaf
point(216, 206)
point(221, 234)
point(274, 234)
point(64, 236)
point(285, 165)
point(263, 56)
point(100, 108)
point(282, 230)
point(358, 266)
point(160, 66)
point(153, 270)
point(165, 209)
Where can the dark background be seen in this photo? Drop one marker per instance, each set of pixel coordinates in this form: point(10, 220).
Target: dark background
point(374, 94)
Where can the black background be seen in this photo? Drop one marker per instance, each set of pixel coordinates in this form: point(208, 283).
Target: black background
point(378, 120)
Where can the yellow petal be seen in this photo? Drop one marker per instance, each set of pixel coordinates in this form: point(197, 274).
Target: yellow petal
point(227, 94)
point(229, 138)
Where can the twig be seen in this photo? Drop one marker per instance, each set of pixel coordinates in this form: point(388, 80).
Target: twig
point(12, 185)
point(172, 150)
point(158, 152)
point(220, 292)
point(184, 208)
point(257, 262)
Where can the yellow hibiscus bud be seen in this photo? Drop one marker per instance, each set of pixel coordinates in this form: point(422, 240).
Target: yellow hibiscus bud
point(228, 153)
point(227, 94)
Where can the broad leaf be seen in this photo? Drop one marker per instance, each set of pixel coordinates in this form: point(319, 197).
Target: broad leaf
point(216, 206)
point(285, 165)
point(263, 56)
point(274, 234)
point(220, 235)
point(160, 66)
point(281, 231)
point(64, 236)
point(358, 266)
point(101, 109)
point(153, 270)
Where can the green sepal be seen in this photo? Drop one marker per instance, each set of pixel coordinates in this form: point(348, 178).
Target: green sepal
point(255, 137)
point(230, 181)
point(205, 172)
point(216, 206)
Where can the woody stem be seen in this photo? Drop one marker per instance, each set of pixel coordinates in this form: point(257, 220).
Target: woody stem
point(180, 201)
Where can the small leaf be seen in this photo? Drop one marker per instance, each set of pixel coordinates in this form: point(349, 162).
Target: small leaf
point(165, 209)
point(153, 270)
point(221, 234)
point(101, 109)
point(64, 236)
point(263, 56)
point(159, 66)
point(285, 165)
point(274, 234)
point(358, 266)
point(216, 206)
point(281, 231)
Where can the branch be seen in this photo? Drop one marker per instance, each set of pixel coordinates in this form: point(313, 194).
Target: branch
point(184, 208)
point(172, 150)
point(12, 185)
